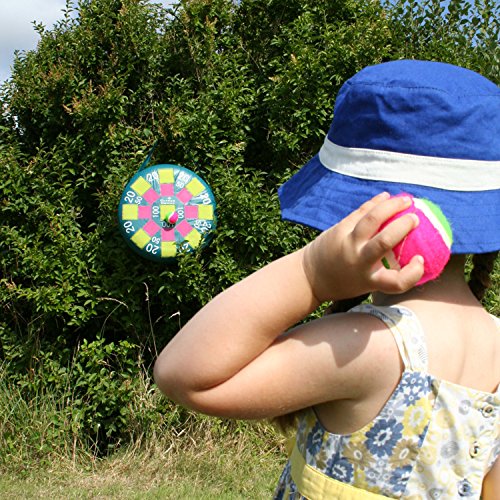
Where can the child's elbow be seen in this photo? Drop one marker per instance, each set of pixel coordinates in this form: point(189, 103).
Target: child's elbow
point(181, 392)
point(172, 385)
point(164, 379)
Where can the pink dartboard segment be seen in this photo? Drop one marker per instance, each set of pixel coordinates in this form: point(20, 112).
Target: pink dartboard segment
point(144, 212)
point(184, 195)
point(151, 228)
point(167, 189)
point(151, 196)
point(167, 234)
point(191, 211)
point(184, 228)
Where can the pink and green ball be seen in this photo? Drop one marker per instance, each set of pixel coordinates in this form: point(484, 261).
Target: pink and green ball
point(432, 239)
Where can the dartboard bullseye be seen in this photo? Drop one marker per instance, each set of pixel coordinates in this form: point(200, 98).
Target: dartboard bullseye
point(166, 210)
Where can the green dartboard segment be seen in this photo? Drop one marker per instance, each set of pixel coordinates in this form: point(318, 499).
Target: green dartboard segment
point(166, 210)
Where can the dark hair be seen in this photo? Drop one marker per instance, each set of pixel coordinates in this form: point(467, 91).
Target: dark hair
point(480, 279)
point(479, 282)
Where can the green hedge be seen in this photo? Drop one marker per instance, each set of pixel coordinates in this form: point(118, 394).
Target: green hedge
point(242, 93)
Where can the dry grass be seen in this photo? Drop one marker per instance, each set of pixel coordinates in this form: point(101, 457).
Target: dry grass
point(208, 459)
point(173, 453)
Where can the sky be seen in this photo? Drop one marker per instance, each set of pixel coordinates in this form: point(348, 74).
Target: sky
point(16, 26)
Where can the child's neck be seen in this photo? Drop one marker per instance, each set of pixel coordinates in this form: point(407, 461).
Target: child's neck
point(450, 288)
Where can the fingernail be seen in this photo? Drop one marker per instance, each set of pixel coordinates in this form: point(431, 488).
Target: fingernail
point(420, 259)
point(416, 220)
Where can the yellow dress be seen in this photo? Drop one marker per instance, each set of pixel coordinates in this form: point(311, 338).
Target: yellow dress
point(432, 440)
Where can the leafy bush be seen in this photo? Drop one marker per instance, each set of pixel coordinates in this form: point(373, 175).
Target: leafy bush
point(457, 32)
point(85, 402)
point(241, 93)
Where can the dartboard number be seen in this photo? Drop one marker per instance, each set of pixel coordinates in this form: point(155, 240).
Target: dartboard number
point(202, 225)
point(152, 176)
point(152, 248)
point(129, 198)
point(205, 199)
point(129, 226)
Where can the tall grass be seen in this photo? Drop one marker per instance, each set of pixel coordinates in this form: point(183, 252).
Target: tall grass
point(31, 433)
point(177, 454)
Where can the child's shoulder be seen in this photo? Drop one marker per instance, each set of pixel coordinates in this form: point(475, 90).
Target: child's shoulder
point(354, 346)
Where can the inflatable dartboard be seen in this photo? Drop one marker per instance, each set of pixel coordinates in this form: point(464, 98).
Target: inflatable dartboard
point(166, 210)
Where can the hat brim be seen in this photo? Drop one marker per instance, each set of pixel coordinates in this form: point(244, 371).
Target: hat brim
point(319, 198)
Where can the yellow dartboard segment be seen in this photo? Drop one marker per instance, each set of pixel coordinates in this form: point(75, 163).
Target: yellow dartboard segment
point(141, 238)
point(140, 186)
point(168, 249)
point(166, 175)
point(195, 187)
point(206, 212)
point(130, 212)
point(193, 238)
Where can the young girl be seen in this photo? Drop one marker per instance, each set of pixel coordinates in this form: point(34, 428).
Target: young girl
point(398, 398)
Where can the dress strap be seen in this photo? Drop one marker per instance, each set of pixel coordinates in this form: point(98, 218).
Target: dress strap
point(406, 330)
point(497, 322)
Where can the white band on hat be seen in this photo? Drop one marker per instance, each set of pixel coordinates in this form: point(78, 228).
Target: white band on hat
point(443, 173)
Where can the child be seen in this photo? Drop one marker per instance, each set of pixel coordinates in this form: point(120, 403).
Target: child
point(395, 399)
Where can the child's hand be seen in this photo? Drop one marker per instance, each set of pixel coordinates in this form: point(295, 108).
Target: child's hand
point(345, 260)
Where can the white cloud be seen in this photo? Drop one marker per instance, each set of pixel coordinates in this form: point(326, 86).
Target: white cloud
point(16, 26)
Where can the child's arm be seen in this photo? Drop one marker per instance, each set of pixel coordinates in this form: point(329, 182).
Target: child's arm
point(491, 483)
point(228, 360)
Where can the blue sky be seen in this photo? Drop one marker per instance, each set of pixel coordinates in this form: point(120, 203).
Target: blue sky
point(16, 28)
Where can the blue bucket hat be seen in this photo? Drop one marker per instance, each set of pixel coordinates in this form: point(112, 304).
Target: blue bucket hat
point(426, 128)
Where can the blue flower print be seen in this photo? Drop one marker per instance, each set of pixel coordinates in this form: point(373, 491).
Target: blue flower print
point(286, 489)
point(414, 383)
point(435, 493)
point(279, 494)
point(414, 386)
point(339, 468)
point(383, 436)
point(315, 439)
point(465, 488)
point(399, 478)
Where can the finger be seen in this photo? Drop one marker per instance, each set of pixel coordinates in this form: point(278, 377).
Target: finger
point(389, 237)
point(373, 219)
point(393, 282)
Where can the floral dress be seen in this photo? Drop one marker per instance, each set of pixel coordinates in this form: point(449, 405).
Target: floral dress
point(432, 440)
